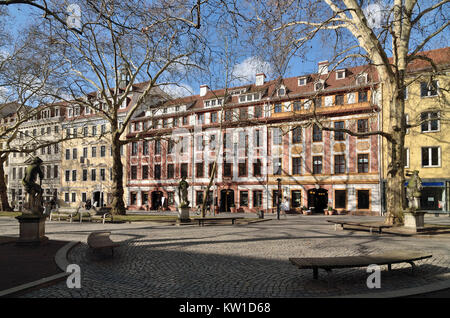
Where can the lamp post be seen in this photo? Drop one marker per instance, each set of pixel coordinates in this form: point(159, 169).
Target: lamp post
point(278, 198)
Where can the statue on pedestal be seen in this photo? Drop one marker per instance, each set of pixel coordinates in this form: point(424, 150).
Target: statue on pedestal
point(183, 192)
point(413, 191)
point(33, 190)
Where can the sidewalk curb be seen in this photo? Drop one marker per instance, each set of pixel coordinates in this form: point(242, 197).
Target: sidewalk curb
point(60, 260)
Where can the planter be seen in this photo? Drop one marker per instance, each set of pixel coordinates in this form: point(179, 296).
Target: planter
point(233, 209)
point(307, 212)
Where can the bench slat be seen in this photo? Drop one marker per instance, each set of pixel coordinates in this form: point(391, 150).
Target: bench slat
point(328, 263)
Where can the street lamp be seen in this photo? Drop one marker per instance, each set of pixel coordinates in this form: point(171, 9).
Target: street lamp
point(279, 198)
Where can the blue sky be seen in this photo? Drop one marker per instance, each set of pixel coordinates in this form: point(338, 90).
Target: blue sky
point(317, 51)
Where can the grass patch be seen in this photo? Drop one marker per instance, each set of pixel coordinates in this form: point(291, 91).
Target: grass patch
point(143, 218)
point(10, 214)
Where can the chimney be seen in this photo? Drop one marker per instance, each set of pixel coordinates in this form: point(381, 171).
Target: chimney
point(203, 90)
point(260, 77)
point(323, 67)
point(124, 77)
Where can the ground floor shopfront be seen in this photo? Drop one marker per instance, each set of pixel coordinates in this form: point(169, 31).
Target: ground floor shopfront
point(252, 198)
point(435, 195)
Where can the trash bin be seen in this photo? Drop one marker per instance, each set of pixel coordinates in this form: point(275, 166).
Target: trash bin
point(261, 214)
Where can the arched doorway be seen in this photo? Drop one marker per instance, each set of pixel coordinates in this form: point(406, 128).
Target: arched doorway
point(156, 200)
point(317, 199)
point(226, 200)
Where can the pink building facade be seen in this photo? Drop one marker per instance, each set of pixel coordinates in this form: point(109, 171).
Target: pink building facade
point(264, 138)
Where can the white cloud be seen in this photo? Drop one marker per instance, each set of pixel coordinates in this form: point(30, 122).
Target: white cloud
point(177, 90)
point(246, 71)
point(377, 14)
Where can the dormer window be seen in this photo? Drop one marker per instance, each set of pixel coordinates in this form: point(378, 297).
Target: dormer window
point(302, 81)
point(282, 91)
point(319, 85)
point(248, 98)
point(213, 102)
point(361, 79)
point(340, 74)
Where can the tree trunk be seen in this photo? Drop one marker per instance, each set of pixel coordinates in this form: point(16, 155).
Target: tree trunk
point(211, 181)
point(118, 204)
point(3, 189)
point(395, 196)
point(395, 189)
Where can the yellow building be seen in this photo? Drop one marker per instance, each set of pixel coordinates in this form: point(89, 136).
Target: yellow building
point(86, 162)
point(427, 142)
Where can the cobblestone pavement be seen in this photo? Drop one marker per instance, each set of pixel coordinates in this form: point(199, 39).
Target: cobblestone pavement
point(251, 260)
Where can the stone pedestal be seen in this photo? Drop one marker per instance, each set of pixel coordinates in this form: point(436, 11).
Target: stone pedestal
point(183, 215)
point(414, 220)
point(32, 229)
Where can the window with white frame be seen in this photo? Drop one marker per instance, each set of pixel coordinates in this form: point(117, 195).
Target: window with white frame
point(340, 74)
point(319, 85)
point(431, 156)
point(361, 79)
point(430, 121)
point(406, 157)
point(428, 89)
point(351, 98)
point(249, 97)
point(302, 81)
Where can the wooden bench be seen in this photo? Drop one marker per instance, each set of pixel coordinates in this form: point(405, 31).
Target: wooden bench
point(201, 221)
point(379, 227)
point(328, 263)
point(101, 240)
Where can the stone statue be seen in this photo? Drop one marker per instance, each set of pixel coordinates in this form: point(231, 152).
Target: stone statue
point(183, 193)
point(413, 190)
point(33, 190)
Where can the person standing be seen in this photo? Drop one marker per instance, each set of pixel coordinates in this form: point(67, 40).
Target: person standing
point(285, 206)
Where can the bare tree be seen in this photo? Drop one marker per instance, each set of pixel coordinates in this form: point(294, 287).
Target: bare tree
point(118, 57)
point(27, 84)
point(388, 35)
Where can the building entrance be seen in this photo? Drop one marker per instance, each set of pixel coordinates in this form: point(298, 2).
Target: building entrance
point(317, 199)
point(226, 200)
point(156, 200)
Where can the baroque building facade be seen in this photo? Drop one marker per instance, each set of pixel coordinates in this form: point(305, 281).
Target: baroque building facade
point(261, 135)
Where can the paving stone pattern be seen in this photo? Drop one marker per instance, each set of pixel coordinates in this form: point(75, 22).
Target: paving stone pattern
point(235, 261)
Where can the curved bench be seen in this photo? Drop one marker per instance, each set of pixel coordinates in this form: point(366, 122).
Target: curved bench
point(328, 263)
point(101, 240)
